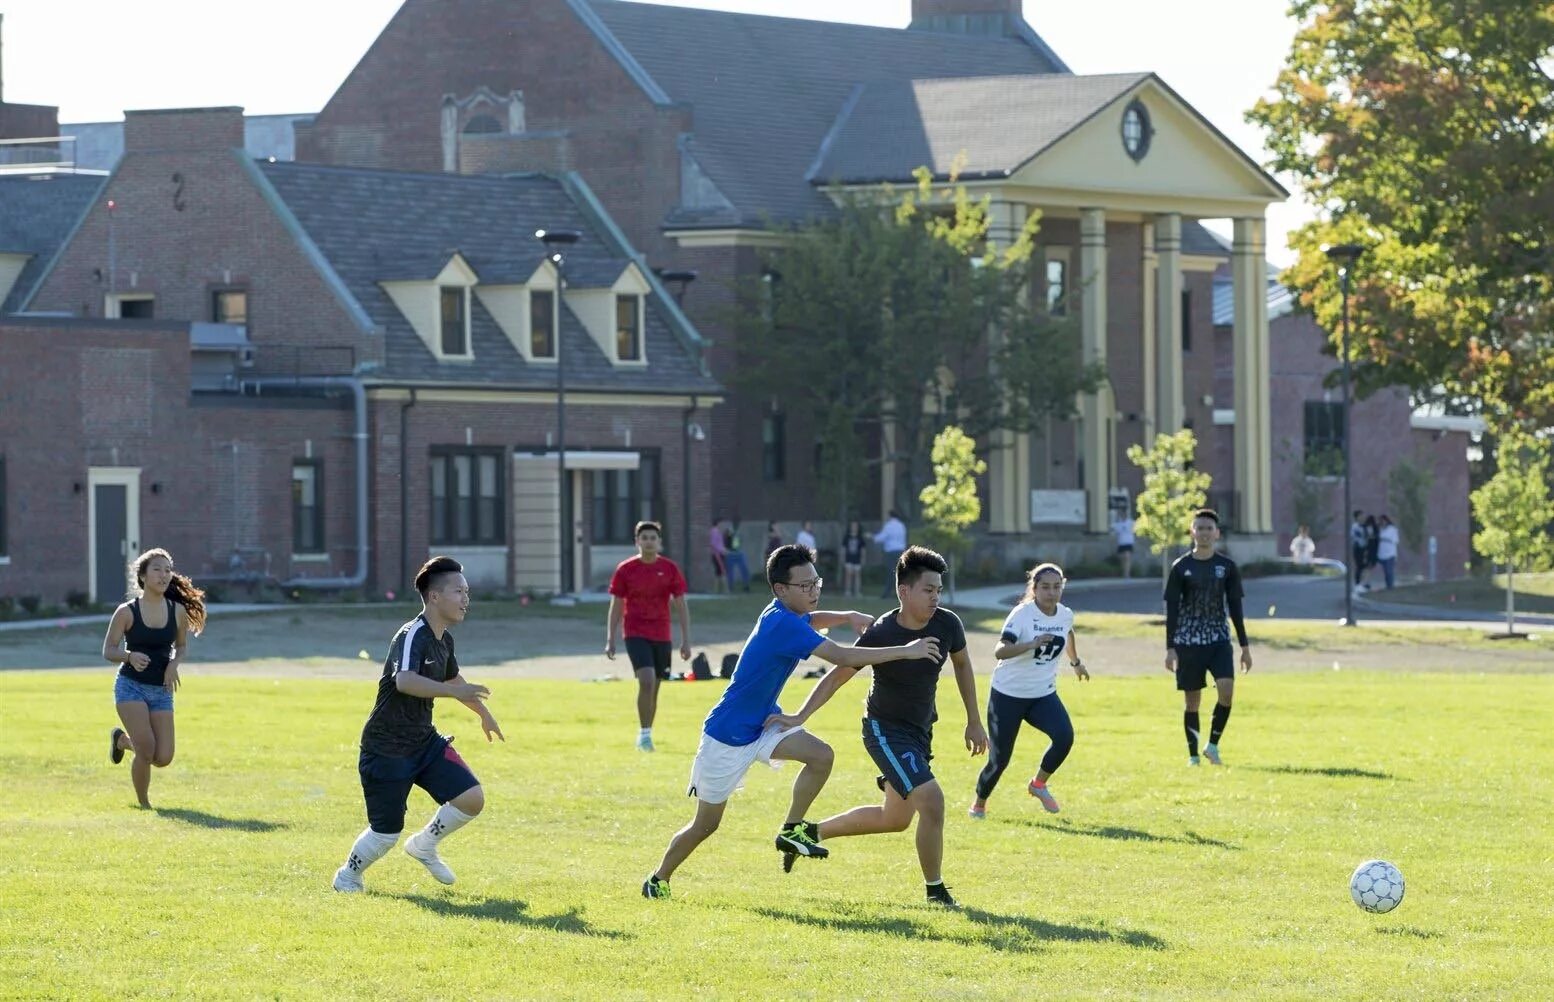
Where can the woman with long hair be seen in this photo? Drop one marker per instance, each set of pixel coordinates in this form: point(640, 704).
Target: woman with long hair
point(852, 559)
point(147, 638)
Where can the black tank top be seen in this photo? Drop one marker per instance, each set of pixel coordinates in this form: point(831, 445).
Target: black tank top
point(155, 644)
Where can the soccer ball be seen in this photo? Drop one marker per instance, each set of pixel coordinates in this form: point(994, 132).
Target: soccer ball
point(1376, 886)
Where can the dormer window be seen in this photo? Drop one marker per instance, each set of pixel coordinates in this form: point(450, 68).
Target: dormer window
point(542, 323)
point(628, 328)
point(455, 320)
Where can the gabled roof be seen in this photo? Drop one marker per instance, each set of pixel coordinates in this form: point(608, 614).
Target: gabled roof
point(377, 225)
point(892, 127)
point(37, 216)
point(764, 91)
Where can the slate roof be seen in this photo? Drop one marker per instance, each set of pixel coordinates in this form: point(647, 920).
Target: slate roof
point(765, 91)
point(37, 215)
point(377, 225)
point(890, 127)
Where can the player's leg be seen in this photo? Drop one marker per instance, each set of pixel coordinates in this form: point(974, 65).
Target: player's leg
point(798, 835)
point(135, 715)
point(893, 815)
point(640, 652)
point(1004, 715)
point(1050, 716)
point(163, 732)
point(459, 797)
point(1190, 674)
point(385, 799)
point(927, 802)
point(1223, 668)
point(708, 817)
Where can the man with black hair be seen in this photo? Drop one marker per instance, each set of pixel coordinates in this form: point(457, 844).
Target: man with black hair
point(1202, 586)
point(643, 591)
point(898, 724)
point(737, 733)
point(399, 746)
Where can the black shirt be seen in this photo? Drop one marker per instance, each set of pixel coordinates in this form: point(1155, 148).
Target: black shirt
point(401, 724)
point(903, 691)
point(1197, 594)
point(852, 549)
point(155, 644)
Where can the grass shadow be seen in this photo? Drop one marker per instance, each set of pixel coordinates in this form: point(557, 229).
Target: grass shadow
point(1121, 834)
point(513, 912)
point(202, 820)
point(1411, 931)
point(1004, 933)
point(1332, 771)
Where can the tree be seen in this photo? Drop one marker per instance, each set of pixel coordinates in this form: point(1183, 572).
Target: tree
point(1515, 511)
point(950, 503)
point(1408, 491)
point(898, 308)
point(1173, 490)
point(1424, 130)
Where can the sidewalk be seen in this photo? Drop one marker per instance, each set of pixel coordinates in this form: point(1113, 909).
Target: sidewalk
point(1005, 596)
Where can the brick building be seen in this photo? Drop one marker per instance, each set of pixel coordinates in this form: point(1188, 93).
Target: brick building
point(319, 375)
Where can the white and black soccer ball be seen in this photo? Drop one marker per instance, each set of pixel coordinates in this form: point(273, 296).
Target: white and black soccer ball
point(1376, 886)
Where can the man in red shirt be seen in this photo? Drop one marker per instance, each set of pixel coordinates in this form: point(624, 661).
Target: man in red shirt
point(643, 589)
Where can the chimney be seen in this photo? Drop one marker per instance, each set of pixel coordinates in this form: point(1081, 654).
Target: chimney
point(203, 129)
point(998, 18)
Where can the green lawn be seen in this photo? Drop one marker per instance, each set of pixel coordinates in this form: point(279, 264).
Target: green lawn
point(1534, 594)
point(1155, 882)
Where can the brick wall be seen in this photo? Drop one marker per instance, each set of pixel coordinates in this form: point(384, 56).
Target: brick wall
point(28, 121)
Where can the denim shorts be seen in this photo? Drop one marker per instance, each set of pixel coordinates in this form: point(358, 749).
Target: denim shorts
point(156, 697)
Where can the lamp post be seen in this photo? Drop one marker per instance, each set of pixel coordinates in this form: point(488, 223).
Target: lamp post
point(556, 243)
point(682, 280)
point(1345, 255)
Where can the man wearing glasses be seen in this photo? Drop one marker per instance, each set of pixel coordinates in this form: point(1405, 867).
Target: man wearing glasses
point(735, 735)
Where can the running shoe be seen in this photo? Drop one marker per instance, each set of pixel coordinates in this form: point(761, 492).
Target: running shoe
point(427, 857)
point(938, 894)
point(803, 839)
point(115, 753)
point(1044, 795)
point(348, 881)
point(655, 888)
point(1211, 752)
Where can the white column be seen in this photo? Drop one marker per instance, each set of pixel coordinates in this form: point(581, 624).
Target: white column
point(1009, 452)
point(1147, 330)
point(1169, 412)
point(1096, 409)
point(1253, 438)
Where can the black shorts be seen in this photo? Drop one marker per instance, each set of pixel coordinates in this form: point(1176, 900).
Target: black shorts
point(902, 755)
point(1195, 661)
point(387, 779)
point(1124, 547)
point(645, 653)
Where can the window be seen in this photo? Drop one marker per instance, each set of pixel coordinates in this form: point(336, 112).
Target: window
point(774, 447)
point(482, 125)
point(621, 499)
point(1187, 320)
point(4, 544)
point(129, 306)
point(542, 324)
point(467, 498)
point(307, 508)
point(1057, 286)
point(628, 328)
point(229, 306)
point(455, 328)
point(1324, 437)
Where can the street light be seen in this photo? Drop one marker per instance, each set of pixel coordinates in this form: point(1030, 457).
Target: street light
point(682, 280)
point(1345, 256)
point(556, 243)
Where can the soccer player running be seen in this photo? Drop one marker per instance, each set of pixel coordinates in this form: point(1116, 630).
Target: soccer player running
point(1202, 586)
point(898, 721)
point(736, 734)
point(643, 591)
point(399, 746)
point(1025, 686)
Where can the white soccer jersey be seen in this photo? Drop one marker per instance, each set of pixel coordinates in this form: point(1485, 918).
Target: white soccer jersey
point(1034, 673)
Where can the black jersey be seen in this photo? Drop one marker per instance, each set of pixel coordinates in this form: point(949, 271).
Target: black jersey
point(903, 691)
point(401, 724)
point(155, 644)
point(1197, 595)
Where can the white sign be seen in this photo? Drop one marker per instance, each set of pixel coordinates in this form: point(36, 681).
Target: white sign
point(1058, 508)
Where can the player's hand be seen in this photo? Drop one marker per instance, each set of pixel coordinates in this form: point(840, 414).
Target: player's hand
point(924, 647)
point(685, 651)
point(138, 661)
point(469, 690)
point(171, 679)
point(1044, 639)
point(860, 622)
point(489, 725)
point(609, 649)
point(1170, 661)
point(1080, 671)
point(1246, 660)
point(786, 721)
point(976, 738)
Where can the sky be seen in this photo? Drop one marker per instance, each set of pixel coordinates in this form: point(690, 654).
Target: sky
point(96, 58)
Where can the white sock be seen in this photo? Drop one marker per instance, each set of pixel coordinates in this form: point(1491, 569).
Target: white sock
point(645, 732)
point(445, 822)
point(370, 847)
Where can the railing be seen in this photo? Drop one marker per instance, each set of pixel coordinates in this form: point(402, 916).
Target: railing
point(19, 155)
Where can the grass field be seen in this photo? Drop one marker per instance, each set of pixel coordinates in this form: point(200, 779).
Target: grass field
point(1156, 881)
point(1534, 594)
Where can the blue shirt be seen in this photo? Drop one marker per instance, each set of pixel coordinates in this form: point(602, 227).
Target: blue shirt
point(780, 640)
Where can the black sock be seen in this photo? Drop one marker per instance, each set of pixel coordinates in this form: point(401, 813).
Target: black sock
point(1217, 722)
point(1190, 724)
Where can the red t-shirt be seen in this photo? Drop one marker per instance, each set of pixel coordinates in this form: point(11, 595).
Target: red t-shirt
point(646, 589)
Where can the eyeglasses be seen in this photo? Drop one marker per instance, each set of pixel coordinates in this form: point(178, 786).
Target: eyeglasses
point(812, 586)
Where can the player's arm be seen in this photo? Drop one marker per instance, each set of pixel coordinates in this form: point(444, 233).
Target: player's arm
point(113, 643)
point(1233, 601)
point(180, 647)
point(1008, 648)
point(411, 682)
point(823, 691)
point(966, 682)
point(682, 610)
point(857, 621)
point(612, 625)
point(1173, 603)
point(1075, 661)
point(857, 657)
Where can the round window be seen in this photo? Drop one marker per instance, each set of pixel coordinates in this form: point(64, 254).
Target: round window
point(1136, 130)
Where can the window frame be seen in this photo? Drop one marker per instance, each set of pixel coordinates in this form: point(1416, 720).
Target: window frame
point(1337, 427)
point(1186, 319)
point(462, 292)
point(636, 328)
point(555, 325)
point(774, 447)
point(113, 304)
point(641, 504)
point(217, 292)
point(448, 534)
point(297, 509)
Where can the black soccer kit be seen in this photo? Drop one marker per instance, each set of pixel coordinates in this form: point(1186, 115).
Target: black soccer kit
point(898, 728)
point(1197, 595)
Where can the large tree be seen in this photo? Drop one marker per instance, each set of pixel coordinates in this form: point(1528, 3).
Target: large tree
point(899, 311)
point(1424, 130)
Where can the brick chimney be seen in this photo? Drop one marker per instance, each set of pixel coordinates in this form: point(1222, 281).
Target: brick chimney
point(969, 17)
point(183, 129)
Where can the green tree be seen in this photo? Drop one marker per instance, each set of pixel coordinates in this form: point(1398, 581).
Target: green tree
point(950, 503)
point(1408, 492)
point(1173, 490)
point(898, 307)
point(1424, 130)
point(1515, 511)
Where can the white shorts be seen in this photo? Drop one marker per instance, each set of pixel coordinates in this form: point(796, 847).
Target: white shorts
point(719, 769)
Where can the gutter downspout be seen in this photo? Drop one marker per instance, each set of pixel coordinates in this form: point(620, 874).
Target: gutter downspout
point(404, 492)
point(685, 477)
point(359, 398)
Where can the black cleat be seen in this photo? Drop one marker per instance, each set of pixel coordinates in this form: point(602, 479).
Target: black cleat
point(938, 894)
point(802, 838)
point(788, 859)
point(655, 888)
point(115, 753)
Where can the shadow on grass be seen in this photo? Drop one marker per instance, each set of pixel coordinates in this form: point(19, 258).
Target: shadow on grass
point(1006, 933)
point(513, 912)
point(1120, 834)
point(1332, 771)
point(202, 820)
point(1410, 931)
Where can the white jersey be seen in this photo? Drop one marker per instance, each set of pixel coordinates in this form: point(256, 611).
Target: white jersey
point(1034, 673)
